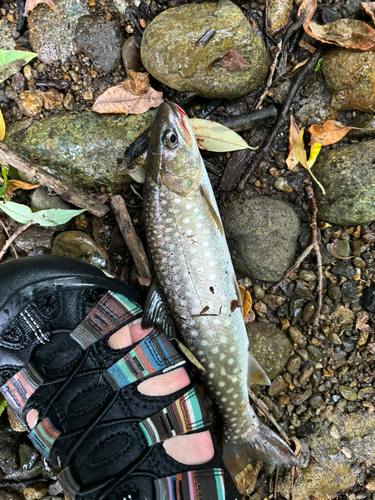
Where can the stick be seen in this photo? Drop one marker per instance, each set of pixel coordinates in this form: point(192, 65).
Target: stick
point(7, 233)
point(66, 191)
point(267, 414)
point(13, 237)
point(283, 116)
point(294, 267)
point(131, 239)
point(272, 71)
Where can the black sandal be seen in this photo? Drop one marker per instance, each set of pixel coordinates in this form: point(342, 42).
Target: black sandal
point(56, 316)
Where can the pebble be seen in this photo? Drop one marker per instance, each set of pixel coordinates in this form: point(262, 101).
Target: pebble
point(18, 82)
point(262, 235)
point(297, 336)
point(334, 292)
point(307, 275)
point(88, 95)
point(335, 339)
point(308, 312)
point(301, 291)
point(78, 245)
point(348, 393)
point(343, 248)
point(278, 385)
point(334, 432)
point(278, 14)
point(35, 492)
point(131, 55)
point(258, 291)
point(362, 393)
point(30, 102)
point(293, 364)
point(347, 452)
point(28, 72)
point(298, 399)
point(52, 98)
point(314, 352)
point(171, 53)
point(302, 353)
point(348, 290)
point(344, 269)
point(316, 401)
point(307, 371)
point(281, 184)
point(370, 483)
point(368, 299)
point(68, 102)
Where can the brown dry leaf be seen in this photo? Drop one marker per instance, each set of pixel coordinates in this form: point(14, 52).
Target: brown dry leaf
point(292, 161)
point(328, 133)
point(231, 60)
point(299, 65)
point(369, 8)
point(12, 185)
point(362, 325)
point(119, 100)
point(137, 83)
point(348, 33)
point(31, 4)
point(307, 8)
point(246, 301)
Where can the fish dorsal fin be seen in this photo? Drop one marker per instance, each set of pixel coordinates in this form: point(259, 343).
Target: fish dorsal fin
point(189, 355)
point(156, 312)
point(211, 209)
point(255, 373)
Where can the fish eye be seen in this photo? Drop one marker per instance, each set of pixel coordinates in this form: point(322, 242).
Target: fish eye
point(170, 139)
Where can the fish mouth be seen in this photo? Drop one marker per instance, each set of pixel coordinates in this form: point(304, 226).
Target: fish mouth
point(173, 113)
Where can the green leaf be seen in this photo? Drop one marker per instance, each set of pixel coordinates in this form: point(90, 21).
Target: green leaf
point(45, 218)
point(212, 136)
point(4, 173)
point(317, 67)
point(12, 61)
point(3, 404)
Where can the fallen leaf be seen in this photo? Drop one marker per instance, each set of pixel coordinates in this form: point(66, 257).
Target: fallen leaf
point(31, 4)
point(307, 9)
point(3, 187)
point(328, 133)
point(12, 185)
point(369, 8)
point(137, 83)
point(301, 156)
point(231, 60)
point(23, 214)
point(2, 126)
point(332, 248)
point(246, 301)
point(119, 100)
point(292, 161)
point(212, 136)
point(299, 65)
point(362, 325)
point(12, 61)
point(137, 174)
point(348, 33)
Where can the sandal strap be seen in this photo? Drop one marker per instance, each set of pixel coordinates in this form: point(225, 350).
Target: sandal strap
point(206, 484)
point(43, 436)
point(111, 313)
point(154, 354)
point(186, 414)
point(69, 485)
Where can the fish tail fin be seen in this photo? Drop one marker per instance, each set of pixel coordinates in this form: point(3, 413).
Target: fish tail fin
point(260, 443)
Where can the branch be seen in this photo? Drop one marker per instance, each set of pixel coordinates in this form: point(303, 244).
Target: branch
point(12, 238)
point(67, 192)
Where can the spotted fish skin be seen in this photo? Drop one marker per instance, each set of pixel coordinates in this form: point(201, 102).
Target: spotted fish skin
point(193, 266)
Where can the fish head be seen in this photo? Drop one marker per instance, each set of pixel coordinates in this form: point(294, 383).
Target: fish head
point(173, 157)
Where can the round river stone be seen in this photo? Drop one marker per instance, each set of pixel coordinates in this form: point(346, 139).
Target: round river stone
point(170, 51)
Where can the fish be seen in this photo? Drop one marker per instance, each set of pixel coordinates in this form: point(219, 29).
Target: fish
point(196, 291)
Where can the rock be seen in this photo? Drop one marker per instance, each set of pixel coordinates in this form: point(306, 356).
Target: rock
point(35, 240)
point(334, 292)
point(293, 364)
point(316, 107)
point(262, 235)
point(316, 401)
point(344, 269)
point(331, 472)
point(30, 102)
point(301, 291)
point(35, 492)
point(258, 291)
point(343, 248)
point(246, 480)
point(52, 36)
point(121, 5)
point(370, 483)
point(350, 77)
point(41, 200)
point(131, 55)
point(269, 346)
point(348, 290)
point(101, 41)
point(18, 82)
point(296, 336)
point(14, 423)
point(52, 98)
point(307, 275)
point(80, 149)
point(7, 42)
point(68, 102)
point(348, 393)
point(278, 385)
point(349, 180)
point(298, 399)
point(281, 184)
point(79, 245)
point(314, 352)
point(28, 456)
point(170, 52)
point(368, 299)
point(308, 311)
point(307, 371)
point(278, 14)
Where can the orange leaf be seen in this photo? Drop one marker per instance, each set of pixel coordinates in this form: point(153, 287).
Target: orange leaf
point(119, 100)
point(137, 83)
point(31, 4)
point(348, 33)
point(292, 161)
point(369, 8)
point(307, 8)
point(231, 60)
point(12, 185)
point(246, 301)
point(329, 133)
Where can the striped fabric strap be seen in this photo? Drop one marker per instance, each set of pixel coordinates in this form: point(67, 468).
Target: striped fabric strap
point(18, 389)
point(110, 313)
point(33, 325)
point(68, 484)
point(153, 354)
point(43, 436)
point(185, 414)
point(207, 484)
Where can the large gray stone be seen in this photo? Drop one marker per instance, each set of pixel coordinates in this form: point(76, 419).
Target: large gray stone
point(80, 149)
point(348, 177)
point(170, 53)
point(262, 234)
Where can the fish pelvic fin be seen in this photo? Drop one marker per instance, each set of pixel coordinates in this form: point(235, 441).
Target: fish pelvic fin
point(255, 373)
point(260, 443)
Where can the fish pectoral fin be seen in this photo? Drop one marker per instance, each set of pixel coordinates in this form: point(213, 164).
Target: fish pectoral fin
point(189, 355)
point(255, 373)
point(156, 312)
point(211, 209)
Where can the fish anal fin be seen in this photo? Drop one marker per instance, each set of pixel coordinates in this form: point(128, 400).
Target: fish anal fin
point(156, 312)
point(212, 210)
point(255, 373)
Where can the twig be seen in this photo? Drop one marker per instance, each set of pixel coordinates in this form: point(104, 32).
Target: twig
point(131, 239)
point(313, 246)
point(271, 73)
point(275, 487)
point(267, 414)
point(7, 233)
point(283, 116)
point(13, 237)
point(66, 191)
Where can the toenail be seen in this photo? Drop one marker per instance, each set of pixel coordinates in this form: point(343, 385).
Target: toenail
point(32, 418)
